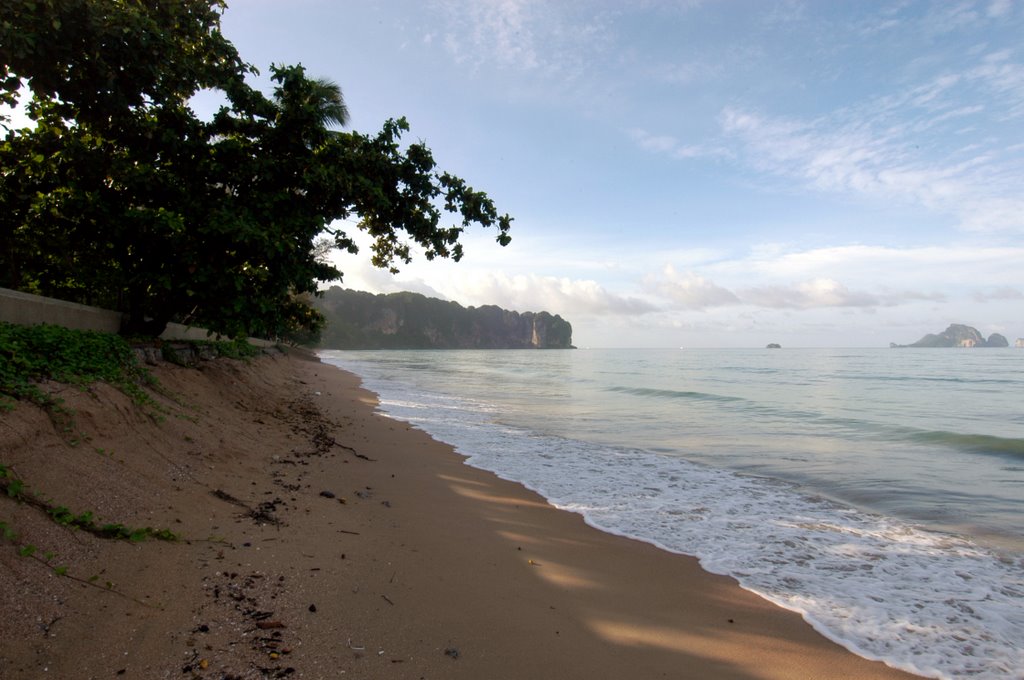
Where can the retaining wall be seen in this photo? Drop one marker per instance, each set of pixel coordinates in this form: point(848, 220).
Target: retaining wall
point(27, 310)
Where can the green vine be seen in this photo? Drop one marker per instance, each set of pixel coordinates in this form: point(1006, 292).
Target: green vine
point(46, 559)
point(31, 354)
point(15, 488)
point(8, 534)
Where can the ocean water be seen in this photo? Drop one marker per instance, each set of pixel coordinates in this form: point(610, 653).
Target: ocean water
point(878, 492)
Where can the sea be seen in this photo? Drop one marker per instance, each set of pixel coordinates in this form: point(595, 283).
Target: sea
point(878, 492)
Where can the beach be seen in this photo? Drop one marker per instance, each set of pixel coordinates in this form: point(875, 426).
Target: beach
point(318, 538)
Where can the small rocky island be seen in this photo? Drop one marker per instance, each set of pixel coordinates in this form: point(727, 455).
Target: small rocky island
point(773, 345)
point(958, 335)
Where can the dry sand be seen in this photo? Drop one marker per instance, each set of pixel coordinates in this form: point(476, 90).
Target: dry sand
point(320, 539)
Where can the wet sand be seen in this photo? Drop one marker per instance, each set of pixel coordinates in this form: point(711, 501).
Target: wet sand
point(319, 539)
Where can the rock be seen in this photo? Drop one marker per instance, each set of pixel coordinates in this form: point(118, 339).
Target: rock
point(997, 340)
point(359, 320)
point(147, 354)
point(958, 335)
point(180, 353)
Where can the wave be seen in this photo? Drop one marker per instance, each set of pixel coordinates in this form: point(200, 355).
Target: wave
point(970, 443)
point(858, 578)
point(933, 603)
point(964, 442)
point(676, 394)
point(911, 379)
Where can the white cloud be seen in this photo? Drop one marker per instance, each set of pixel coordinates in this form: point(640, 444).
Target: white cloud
point(891, 275)
point(880, 25)
point(810, 294)
point(981, 191)
point(654, 143)
point(689, 290)
point(771, 292)
point(815, 293)
point(684, 73)
point(922, 145)
point(523, 35)
point(766, 277)
point(672, 147)
point(531, 292)
point(948, 17)
point(478, 286)
point(504, 27)
point(1005, 79)
point(866, 277)
point(1000, 8)
point(359, 274)
point(999, 294)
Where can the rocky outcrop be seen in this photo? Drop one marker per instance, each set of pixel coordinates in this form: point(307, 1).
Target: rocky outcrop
point(997, 340)
point(358, 320)
point(959, 335)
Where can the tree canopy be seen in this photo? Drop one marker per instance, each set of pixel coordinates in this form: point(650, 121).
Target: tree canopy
point(121, 196)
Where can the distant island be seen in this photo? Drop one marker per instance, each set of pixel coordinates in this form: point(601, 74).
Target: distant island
point(360, 320)
point(958, 335)
point(773, 345)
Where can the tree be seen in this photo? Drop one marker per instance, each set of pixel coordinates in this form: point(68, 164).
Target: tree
point(87, 189)
point(100, 61)
point(121, 196)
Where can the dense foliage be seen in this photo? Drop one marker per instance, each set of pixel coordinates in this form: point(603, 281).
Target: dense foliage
point(29, 354)
point(121, 196)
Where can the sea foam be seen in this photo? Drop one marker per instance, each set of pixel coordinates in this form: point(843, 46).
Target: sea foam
point(928, 603)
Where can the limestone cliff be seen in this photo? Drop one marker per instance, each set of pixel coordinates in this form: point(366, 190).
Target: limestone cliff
point(959, 335)
point(358, 320)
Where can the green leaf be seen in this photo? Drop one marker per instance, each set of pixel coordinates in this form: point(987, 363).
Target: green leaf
point(14, 488)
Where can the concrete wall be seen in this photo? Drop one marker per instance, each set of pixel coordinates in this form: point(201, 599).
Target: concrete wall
point(27, 310)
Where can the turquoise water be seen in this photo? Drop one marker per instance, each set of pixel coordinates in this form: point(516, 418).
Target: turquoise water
point(879, 492)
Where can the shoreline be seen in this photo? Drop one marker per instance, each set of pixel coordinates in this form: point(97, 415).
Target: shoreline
point(380, 553)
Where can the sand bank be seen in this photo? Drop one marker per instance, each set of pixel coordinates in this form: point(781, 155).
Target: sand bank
point(320, 539)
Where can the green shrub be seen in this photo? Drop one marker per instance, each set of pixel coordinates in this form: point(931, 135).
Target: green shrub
point(29, 354)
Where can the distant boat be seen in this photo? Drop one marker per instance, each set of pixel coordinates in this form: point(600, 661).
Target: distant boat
point(774, 345)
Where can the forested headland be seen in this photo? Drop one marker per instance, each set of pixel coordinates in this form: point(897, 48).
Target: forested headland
point(359, 320)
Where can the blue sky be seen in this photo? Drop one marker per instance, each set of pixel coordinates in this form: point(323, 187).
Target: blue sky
point(696, 174)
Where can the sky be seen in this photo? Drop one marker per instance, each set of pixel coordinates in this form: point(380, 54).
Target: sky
point(699, 173)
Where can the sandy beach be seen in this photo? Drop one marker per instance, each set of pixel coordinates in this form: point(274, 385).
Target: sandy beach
point(319, 539)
